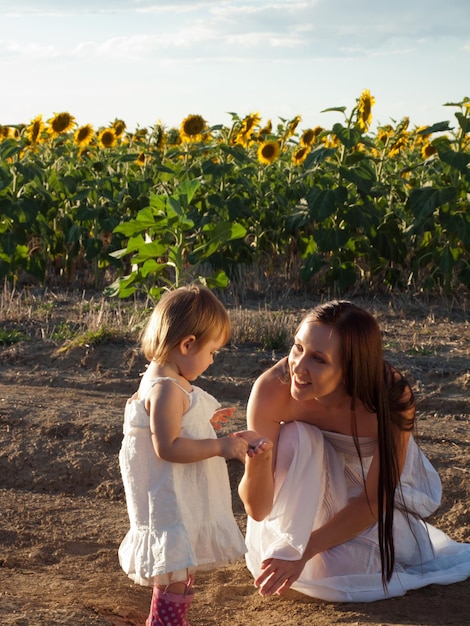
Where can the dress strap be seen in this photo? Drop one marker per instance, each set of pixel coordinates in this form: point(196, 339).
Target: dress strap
point(173, 380)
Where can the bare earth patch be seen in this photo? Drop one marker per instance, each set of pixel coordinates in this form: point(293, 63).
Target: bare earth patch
point(62, 506)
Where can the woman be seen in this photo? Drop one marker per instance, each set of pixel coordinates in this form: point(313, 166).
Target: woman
point(336, 487)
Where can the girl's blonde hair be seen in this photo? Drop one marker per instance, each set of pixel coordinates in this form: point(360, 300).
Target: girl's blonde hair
point(190, 310)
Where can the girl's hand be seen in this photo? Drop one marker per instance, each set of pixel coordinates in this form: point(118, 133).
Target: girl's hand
point(233, 448)
point(278, 575)
point(256, 443)
point(221, 416)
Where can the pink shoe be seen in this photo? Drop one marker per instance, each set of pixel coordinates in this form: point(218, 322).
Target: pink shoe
point(168, 609)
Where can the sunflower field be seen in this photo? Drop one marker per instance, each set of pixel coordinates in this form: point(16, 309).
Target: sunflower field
point(337, 209)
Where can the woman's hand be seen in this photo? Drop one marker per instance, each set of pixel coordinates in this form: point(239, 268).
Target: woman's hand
point(278, 575)
point(256, 444)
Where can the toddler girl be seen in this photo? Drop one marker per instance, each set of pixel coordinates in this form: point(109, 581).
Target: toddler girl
point(172, 463)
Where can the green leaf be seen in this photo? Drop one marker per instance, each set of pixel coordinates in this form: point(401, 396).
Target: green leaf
point(423, 202)
point(344, 275)
point(188, 188)
point(439, 127)
point(349, 137)
point(144, 220)
point(149, 250)
point(10, 148)
point(152, 267)
point(337, 109)
point(219, 235)
point(218, 280)
point(317, 156)
point(464, 122)
point(321, 203)
point(313, 264)
point(331, 239)
point(457, 160)
point(362, 176)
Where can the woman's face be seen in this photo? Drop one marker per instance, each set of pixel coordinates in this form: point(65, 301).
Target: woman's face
point(314, 363)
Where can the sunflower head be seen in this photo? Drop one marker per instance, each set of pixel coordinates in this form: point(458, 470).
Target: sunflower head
point(292, 125)
point(8, 133)
point(107, 138)
point(308, 137)
point(300, 155)
point(249, 123)
point(384, 133)
point(84, 135)
point(35, 129)
point(268, 152)
point(61, 123)
point(266, 130)
point(364, 110)
point(192, 128)
point(428, 150)
point(141, 159)
point(159, 136)
point(399, 145)
point(119, 127)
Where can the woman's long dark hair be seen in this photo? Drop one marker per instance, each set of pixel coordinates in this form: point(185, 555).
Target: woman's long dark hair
point(382, 390)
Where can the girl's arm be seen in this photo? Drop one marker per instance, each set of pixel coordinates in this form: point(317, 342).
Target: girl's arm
point(166, 404)
point(256, 488)
point(358, 515)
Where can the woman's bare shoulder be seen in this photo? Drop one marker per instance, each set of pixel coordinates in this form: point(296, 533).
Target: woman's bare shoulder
point(272, 382)
point(274, 377)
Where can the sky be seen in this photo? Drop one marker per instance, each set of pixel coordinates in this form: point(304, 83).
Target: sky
point(157, 61)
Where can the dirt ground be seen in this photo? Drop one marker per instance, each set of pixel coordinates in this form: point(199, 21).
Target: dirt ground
point(62, 507)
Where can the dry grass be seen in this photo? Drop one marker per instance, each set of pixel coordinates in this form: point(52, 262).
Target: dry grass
point(71, 318)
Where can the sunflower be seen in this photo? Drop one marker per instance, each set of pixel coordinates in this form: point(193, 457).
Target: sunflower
point(141, 159)
point(34, 130)
point(250, 122)
point(310, 135)
point(247, 128)
point(307, 137)
point(428, 150)
point(384, 133)
point(401, 143)
point(192, 127)
point(107, 138)
point(266, 130)
point(331, 141)
point(8, 133)
point(61, 123)
point(268, 152)
point(292, 126)
point(84, 135)
point(364, 110)
point(300, 155)
point(119, 127)
point(159, 136)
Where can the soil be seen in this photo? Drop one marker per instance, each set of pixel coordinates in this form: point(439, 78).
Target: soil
point(62, 506)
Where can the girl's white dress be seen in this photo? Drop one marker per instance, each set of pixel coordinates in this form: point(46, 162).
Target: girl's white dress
point(317, 473)
point(180, 513)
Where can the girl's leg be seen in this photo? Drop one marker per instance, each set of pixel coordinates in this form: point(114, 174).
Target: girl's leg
point(170, 603)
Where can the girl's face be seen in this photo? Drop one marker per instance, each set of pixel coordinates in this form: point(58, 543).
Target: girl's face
point(196, 358)
point(314, 363)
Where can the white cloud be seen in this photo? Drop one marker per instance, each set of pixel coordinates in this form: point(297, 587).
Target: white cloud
point(15, 49)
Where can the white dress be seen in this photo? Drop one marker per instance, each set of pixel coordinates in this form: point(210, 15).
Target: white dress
point(180, 513)
point(317, 472)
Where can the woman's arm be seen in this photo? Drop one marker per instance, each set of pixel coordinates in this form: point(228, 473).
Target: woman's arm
point(256, 488)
